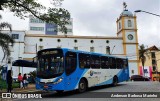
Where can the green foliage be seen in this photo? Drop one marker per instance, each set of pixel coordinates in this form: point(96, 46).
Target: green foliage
point(5, 39)
point(3, 84)
point(142, 54)
point(15, 85)
point(22, 8)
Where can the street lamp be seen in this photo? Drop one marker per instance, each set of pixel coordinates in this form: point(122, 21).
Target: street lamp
point(146, 12)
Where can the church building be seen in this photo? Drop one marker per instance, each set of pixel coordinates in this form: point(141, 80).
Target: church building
point(125, 44)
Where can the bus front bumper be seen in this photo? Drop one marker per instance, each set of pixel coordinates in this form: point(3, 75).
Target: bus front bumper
point(49, 87)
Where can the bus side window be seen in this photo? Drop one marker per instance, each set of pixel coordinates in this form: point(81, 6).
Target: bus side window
point(95, 61)
point(118, 63)
point(112, 62)
point(84, 60)
point(71, 62)
point(104, 62)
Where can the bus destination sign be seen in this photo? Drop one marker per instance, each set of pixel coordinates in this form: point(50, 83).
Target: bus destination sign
point(49, 52)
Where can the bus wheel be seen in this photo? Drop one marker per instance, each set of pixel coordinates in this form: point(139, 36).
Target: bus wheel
point(82, 86)
point(115, 81)
point(59, 91)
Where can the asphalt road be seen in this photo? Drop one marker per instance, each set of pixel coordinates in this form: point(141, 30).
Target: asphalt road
point(126, 91)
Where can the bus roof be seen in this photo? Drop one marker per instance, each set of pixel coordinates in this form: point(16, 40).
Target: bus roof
point(85, 52)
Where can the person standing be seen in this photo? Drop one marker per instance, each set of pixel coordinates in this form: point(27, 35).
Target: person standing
point(9, 81)
point(20, 79)
point(24, 80)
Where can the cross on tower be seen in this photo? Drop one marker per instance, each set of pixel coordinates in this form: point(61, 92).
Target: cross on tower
point(124, 5)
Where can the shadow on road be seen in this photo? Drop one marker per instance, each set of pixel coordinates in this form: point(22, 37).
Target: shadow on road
point(90, 93)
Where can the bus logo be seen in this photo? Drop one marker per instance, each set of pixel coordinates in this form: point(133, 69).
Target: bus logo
point(91, 73)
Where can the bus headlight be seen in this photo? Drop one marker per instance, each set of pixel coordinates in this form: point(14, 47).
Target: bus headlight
point(58, 81)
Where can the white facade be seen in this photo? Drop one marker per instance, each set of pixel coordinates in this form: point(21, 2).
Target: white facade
point(37, 26)
point(127, 29)
point(125, 44)
point(83, 43)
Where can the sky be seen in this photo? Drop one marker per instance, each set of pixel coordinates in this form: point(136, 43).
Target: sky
point(98, 18)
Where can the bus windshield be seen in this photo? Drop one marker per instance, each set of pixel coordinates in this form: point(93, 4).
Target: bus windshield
point(50, 65)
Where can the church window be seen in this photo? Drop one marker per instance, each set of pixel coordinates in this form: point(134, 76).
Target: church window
point(129, 23)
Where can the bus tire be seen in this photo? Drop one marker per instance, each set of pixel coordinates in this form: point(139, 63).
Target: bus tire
point(115, 81)
point(82, 87)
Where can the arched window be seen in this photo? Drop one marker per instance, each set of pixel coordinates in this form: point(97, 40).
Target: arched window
point(129, 23)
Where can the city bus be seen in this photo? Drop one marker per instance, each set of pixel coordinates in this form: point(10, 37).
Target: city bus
point(62, 69)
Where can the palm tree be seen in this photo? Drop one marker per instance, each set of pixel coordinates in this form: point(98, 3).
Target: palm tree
point(142, 57)
point(5, 39)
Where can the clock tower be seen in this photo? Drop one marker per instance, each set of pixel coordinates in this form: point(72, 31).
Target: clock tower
point(127, 29)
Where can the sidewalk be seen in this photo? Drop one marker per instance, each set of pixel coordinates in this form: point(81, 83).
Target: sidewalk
point(30, 88)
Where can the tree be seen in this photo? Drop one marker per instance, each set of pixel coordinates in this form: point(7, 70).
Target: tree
point(142, 55)
point(22, 8)
point(5, 39)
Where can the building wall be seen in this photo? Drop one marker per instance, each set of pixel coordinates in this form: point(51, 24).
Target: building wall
point(128, 32)
point(158, 60)
point(132, 23)
point(133, 70)
point(127, 29)
point(37, 26)
point(131, 52)
point(148, 61)
point(32, 41)
point(50, 29)
point(84, 43)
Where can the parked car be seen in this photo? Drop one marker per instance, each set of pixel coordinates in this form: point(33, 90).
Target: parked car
point(139, 78)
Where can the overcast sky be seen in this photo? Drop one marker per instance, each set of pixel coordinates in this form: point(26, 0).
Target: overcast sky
point(98, 18)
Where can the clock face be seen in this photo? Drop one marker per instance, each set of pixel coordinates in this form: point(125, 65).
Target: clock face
point(130, 37)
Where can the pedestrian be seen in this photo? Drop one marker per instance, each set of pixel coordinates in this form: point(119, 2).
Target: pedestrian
point(20, 79)
point(9, 81)
point(24, 80)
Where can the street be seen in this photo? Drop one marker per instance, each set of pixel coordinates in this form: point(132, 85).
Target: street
point(90, 95)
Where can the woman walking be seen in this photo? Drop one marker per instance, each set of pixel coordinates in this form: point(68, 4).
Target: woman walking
point(9, 81)
point(24, 80)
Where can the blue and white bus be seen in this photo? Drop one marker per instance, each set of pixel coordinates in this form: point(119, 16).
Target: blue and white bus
point(62, 69)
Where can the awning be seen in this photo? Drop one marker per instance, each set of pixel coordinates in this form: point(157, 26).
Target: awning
point(24, 63)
